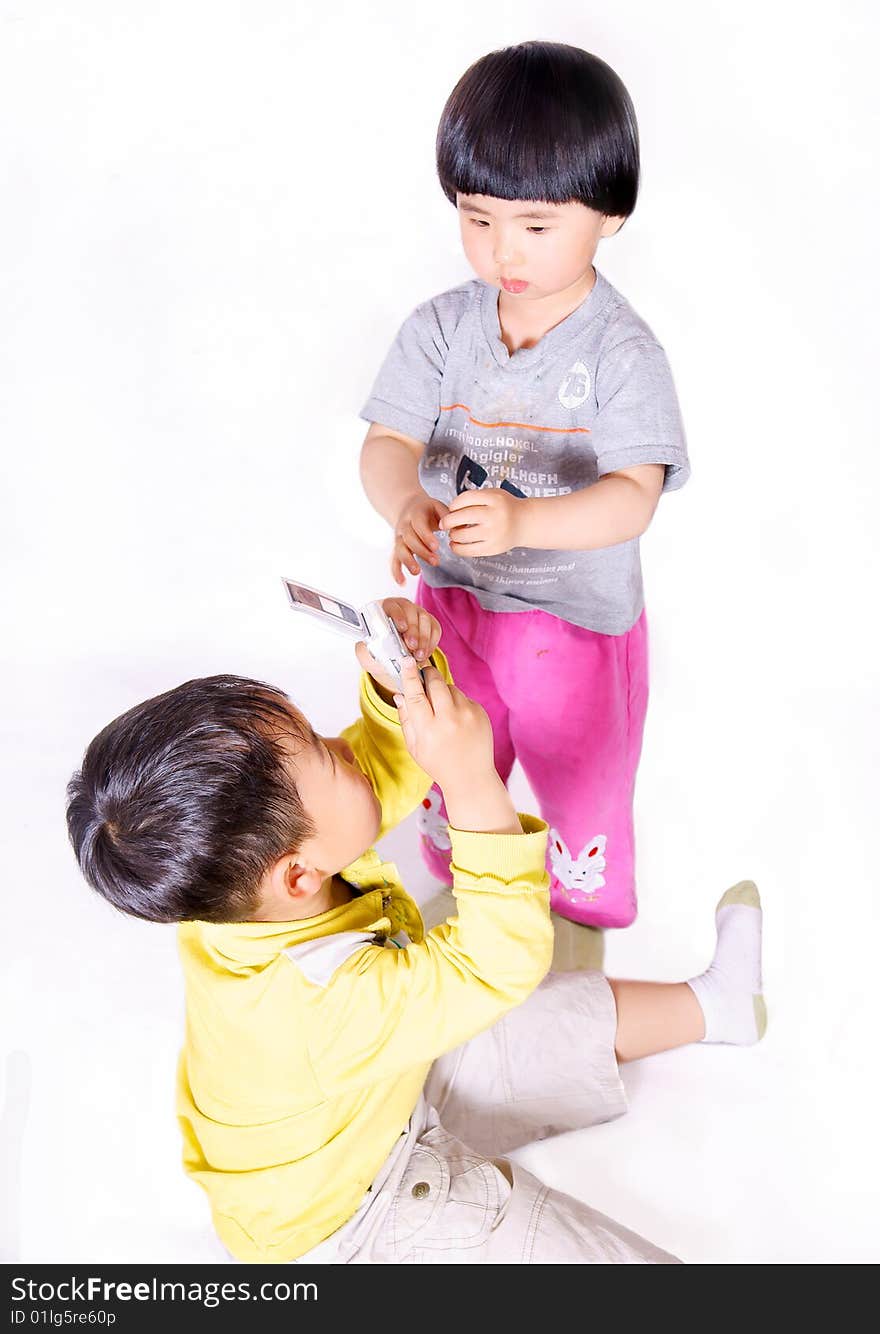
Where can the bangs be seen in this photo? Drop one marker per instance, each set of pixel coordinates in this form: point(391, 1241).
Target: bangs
point(541, 122)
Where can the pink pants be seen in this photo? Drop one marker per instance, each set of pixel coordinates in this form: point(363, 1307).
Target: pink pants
point(569, 704)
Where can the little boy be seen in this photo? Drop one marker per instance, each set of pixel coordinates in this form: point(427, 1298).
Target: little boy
point(316, 1004)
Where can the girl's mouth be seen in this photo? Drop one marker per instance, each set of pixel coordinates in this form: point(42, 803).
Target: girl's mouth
point(513, 285)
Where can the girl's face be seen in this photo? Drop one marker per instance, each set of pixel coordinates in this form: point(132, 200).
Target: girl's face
point(530, 249)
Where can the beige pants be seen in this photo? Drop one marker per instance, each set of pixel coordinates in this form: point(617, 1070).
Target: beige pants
point(575, 947)
point(445, 1197)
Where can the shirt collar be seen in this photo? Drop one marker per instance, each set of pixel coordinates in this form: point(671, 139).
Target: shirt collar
point(382, 906)
point(554, 340)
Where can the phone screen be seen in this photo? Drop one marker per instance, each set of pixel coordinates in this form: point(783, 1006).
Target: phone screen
point(322, 603)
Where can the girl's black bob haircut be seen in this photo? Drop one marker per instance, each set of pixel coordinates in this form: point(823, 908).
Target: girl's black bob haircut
point(541, 121)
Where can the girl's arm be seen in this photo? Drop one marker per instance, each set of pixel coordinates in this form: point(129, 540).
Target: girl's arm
point(616, 508)
point(390, 470)
point(390, 475)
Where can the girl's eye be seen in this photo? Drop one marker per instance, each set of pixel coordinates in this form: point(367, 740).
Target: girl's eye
point(536, 231)
point(479, 222)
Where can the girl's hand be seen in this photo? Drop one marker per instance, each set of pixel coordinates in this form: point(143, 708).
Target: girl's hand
point(419, 631)
point(485, 523)
point(414, 534)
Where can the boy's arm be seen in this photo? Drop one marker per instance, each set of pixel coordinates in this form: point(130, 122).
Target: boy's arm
point(380, 750)
point(385, 1011)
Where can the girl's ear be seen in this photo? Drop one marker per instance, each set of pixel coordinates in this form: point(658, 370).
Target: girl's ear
point(611, 226)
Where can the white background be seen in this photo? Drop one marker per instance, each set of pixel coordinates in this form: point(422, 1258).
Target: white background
point(214, 218)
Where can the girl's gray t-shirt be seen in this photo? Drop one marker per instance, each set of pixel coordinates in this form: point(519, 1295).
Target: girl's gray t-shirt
point(594, 395)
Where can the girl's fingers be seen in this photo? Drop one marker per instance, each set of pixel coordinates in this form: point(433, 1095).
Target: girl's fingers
point(413, 631)
point(403, 558)
point(464, 500)
point(425, 535)
point(416, 544)
point(425, 633)
point(418, 628)
point(477, 548)
point(452, 524)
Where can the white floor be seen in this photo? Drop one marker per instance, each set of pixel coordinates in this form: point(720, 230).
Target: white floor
point(727, 1156)
point(198, 290)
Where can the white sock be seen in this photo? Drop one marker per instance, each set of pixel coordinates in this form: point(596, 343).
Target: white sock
point(729, 991)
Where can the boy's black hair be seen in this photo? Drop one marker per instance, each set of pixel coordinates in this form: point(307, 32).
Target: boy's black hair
point(541, 121)
point(182, 803)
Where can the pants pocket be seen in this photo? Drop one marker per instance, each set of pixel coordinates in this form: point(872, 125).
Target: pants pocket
point(447, 1204)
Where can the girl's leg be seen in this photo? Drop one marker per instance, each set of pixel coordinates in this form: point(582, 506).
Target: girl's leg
point(577, 704)
point(724, 1004)
point(463, 621)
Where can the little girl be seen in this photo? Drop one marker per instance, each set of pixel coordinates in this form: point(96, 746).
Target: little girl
point(523, 427)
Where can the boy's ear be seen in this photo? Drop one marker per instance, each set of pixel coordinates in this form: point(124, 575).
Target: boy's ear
point(298, 881)
point(290, 882)
point(610, 226)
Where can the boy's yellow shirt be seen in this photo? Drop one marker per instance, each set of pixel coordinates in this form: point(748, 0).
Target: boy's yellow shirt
point(308, 1042)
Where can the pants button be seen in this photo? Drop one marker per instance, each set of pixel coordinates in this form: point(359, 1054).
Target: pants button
point(420, 1190)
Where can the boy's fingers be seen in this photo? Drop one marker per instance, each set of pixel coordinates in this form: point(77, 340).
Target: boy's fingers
point(411, 688)
point(437, 690)
point(364, 657)
point(409, 735)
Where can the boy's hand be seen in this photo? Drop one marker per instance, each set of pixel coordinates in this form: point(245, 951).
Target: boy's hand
point(419, 630)
point(414, 536)
point(485, 523)
point(450, 737)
